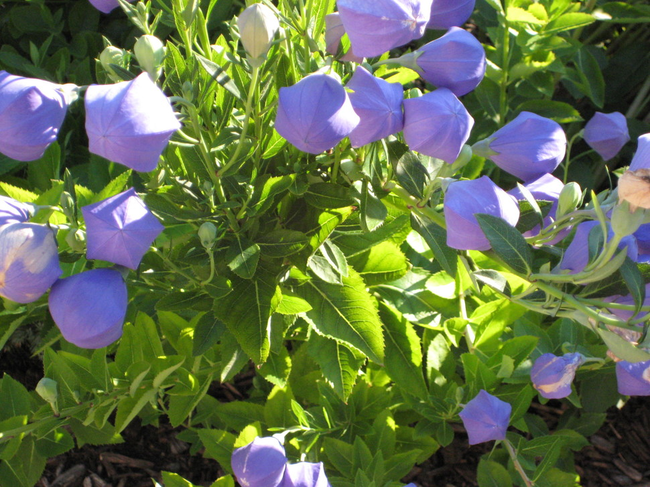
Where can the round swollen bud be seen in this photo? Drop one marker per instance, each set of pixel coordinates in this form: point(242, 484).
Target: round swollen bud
point(47, 389)
point(257, 27)
point(208, 234)
point(113, 56)
point(150, 53)
point(570, 198)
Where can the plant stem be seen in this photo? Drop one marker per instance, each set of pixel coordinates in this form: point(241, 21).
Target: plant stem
point(415, 204)
point(517, 464)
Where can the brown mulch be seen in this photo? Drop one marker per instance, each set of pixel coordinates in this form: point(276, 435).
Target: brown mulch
point(619, 454)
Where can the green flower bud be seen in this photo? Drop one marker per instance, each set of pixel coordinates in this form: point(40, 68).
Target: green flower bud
point(570, 198)
point(208, 234)
point(76, 239)
point(624, 221)
point(113, 55)
point(257, 27)
point(150, 53)
point(47, 389)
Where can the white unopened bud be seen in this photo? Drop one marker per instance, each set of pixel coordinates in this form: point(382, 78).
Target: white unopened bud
point(208, 234)
point(257, 27)
point(150, 53)
point(112, 55)
point(47, 389)
point(570, 198)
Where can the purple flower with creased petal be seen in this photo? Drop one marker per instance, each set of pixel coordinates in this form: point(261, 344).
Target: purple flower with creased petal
point(576, 255)
point(12, 211)
point(486, 418)
point(641, 159)
point(463, 200)
point(379, 106)
point(545, 188)
point(607, 133)
point(334, 30)
point(528, 147)
point(449, 13)
point(129, 122)
point(455, 61)
point(377, 26)
point(633, 378)
point(120, 229)
point(304, 474)
point(642, 236)
point(261, 463)
point(89, 308)
point(106, 6)
point(31, 114)
point(29, 261)
point(552, 375)
point(315, 114)
point(437, 124)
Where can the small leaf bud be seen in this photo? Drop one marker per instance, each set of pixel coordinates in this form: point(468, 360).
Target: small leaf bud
point(570, 198)
point(208, 234)
point(47, 389)
point(257, 27)
point(150, 53)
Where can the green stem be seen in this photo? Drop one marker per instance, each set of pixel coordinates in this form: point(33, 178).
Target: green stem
point(513, 456)
point(209, 279)
point(415, 204)
point(637, 103)
point(567, 159)
point(337, 163)
point(505, 62)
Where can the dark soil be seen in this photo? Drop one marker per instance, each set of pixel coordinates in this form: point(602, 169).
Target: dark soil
point(619, 454)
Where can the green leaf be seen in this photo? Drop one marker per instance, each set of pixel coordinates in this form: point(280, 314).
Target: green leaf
point(91, 435)
point(318, 226)
point(403, 358)
point(382, 263)
point(529, 217)
point(517, 14)
point(328, 195)
point(634, 281)
point(622, 348)
point(277, 368)
point(340, 454)
point(174, 480)
point(568, 21)
point(623, 12)
point(292, 304)
point(277, 410)
point(373, 211)
point(239, 414)
point(206, 334)
point(436, 238)
point(25, 467)
point(411, 174)
point(281, 243)
point(218, 444)
point(246, 312)
point(242, 257)
point(14, 398)
point(54, 443)
point(492, 474)
point(267, 189)
point(382, 436)
point(219, 75)
point(186, 300)
point(339, 365)
point(345, 313)
point(180, 407)
point(591, 76)
point(129, 407)
point(477, 375)
point(506, 242)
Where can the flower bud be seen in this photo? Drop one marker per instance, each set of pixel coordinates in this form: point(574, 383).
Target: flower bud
point(463, 200)
point(29, 261)
point(455, 61)
point(47, 389)
point(449, 13)
point(375, 27)
point(486, 418)
point(570, 198)
point(129, 122)
point(334, 31)
point(31, 114)
point(150, 53)
point(76, 239)
point(12, 211)
point(257, 27)
point(106, 6)
point(552, 376)
point(437, 124)
point(528, 147)
point(120, 229)
point(378, 104)
point(633, 378)
point(624, 221)
point(208, 234)
point(113, 55)
point(607, 133)
point(261, 463)
point(315, 114)
point(89, 308)
point(305, 474)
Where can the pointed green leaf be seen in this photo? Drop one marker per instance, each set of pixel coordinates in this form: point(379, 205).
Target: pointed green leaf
point(242, 257)
point(436, 238)
point(507, 242)
point(339, 364)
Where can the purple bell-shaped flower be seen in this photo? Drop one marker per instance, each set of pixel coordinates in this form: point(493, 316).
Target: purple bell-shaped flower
point(377, 26)
point(641, 159)
point(552, 375)
point(455, 61)
point(31, 114)
point(305, 474)
point(120, 229)
point(463, 200)
point(449, 13)
point(486, 418)
point(129, 122)
point(315, 114)
point(633, 378)
point(607, 133)
point(106, 6)
point(334, 30)
point(528, 147)
point(29, 261)
point(89, 308)
point(379, 106)
point(545, 188)
point(261, 463)
point(437, 124)
point(12, 211)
